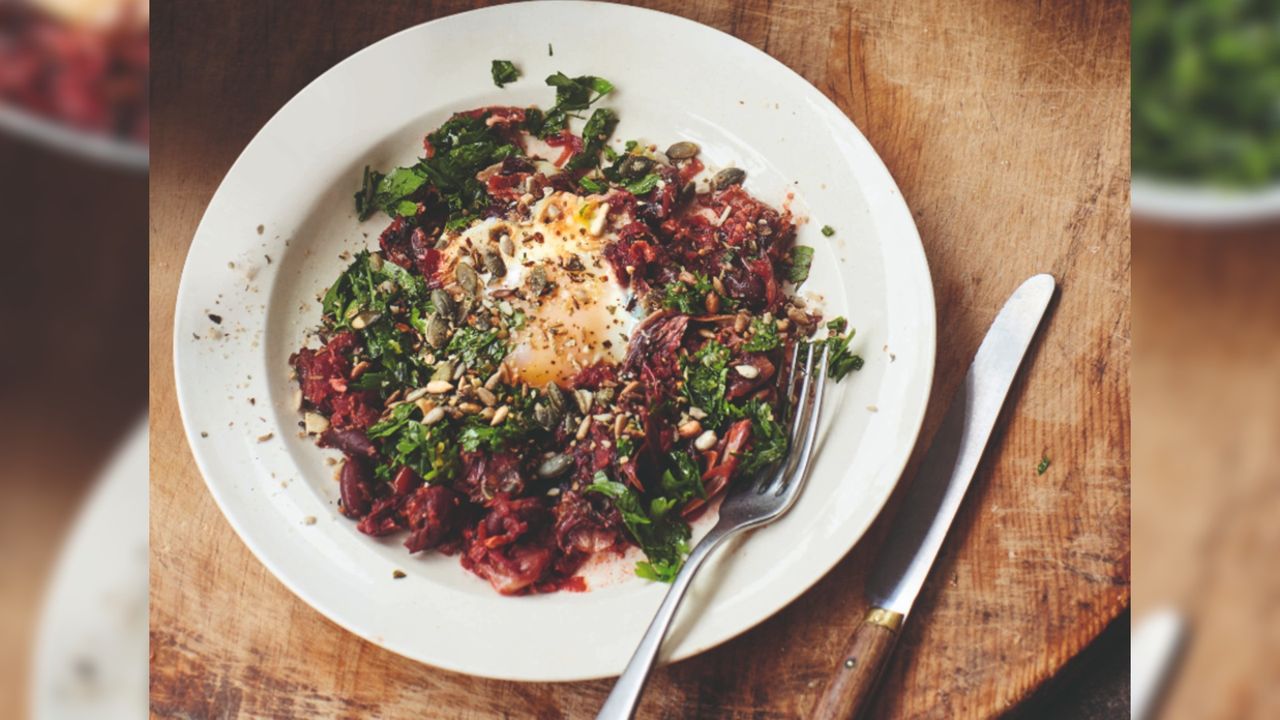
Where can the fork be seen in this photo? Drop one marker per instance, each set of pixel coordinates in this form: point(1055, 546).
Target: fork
point(748, 505)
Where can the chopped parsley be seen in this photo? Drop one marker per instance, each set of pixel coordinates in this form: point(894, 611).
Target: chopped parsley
point(572, 95)
point(504, 71)
point(842, 360)
point(643, 185)
point(801, 260)
point(828, 230)
point(1043, 466)
point(406, 442)
point(477, 350)
point(764, 336)
point(590, 185)
point(705, 373)
point(768, 439)
point(688, 298)
point(461, 147)
point(657, 529)
point(594, 136)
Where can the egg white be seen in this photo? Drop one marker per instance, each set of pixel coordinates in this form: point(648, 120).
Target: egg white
point(583, 317)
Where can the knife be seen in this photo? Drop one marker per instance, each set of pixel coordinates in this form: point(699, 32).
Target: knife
point(933, 499)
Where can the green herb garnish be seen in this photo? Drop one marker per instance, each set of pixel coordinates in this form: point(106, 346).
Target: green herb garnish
point(705, 374)
point(764, 336)
point(572, 95)
point(477, 350)
point(768, 439)
point(842, 360)
point(1043, 466)
point(594, 136)
point(658, 530)
point(504, 71)
point(801, 260)
point(828, 230)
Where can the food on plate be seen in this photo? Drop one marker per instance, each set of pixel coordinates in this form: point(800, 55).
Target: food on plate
point(84, 63)
point(559, 348)
point(1206, 92)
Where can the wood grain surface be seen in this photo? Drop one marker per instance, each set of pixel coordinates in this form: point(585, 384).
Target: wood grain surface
point(1005, 124)
point(82, 276)
point(1206, 460)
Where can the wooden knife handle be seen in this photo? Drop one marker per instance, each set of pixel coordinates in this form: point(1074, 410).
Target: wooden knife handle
point(850, 688)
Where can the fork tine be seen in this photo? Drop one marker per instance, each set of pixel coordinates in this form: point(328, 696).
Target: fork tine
point(799, 407)
point(813, 415)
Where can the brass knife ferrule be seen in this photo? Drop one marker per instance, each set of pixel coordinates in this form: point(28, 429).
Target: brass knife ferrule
point(884, 618)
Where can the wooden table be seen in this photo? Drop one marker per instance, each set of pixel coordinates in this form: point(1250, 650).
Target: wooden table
point(1206, 401)
point(83, 274)
point(1006, 126)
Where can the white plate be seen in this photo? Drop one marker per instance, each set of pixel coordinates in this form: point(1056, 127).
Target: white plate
point(1202, 204)
point(91, 146)
point(91, 647)
point(296, 178)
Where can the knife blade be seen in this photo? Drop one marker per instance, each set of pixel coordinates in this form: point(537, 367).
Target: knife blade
point(933, 498)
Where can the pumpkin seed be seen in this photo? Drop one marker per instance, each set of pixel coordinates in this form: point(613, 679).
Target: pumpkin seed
point(444, 304)
point(682, 150)
point(467, 278)
point(555, 398)
point(494, 264)
point(538, 281)
point(437, 331)
point(635, 167)
point(443, 371)
point(544, 416)
point(727, 177)
point(555, 466)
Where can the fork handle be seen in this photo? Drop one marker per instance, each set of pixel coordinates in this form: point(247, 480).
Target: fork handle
point(850, 689)
point(625, 697)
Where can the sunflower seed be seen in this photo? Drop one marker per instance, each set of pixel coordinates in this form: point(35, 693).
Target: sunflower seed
point(500, 415)
point(438, 387)
point(750, 372)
